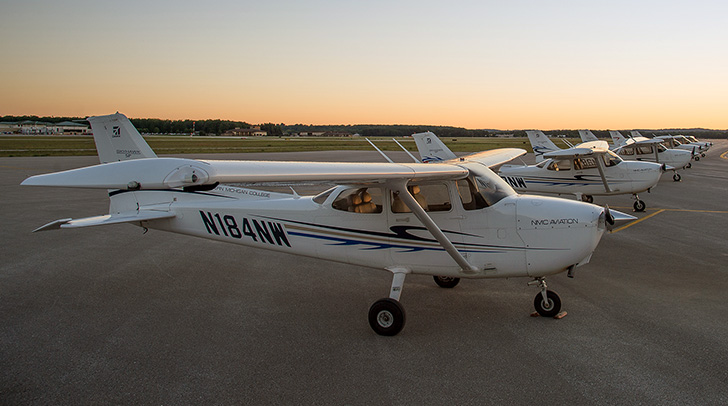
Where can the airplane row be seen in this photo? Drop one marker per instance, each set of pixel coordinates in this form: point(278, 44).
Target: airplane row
point(452, 219)
point(591, 168)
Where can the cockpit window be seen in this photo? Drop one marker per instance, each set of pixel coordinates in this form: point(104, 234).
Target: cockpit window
point(430, 196)
point(470, 196)
point(611, 159)
point(359, 200)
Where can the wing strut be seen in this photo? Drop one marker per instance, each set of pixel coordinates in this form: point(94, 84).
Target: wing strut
point(600, 167)
point(409, 200)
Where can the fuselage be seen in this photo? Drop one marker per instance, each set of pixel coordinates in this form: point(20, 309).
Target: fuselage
point(676, 158)
point(581, 175)
point(501, 233)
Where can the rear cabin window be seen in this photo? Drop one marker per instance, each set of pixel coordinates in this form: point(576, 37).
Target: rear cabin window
point(359, 200)
point(562, 165)
point(431, 197)
point(627, 151)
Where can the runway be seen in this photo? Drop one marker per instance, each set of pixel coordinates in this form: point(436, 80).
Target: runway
point(108, 315)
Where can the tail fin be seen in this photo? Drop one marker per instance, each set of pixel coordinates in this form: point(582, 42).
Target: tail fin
point(540, 143)
point(618, 138)
point(431, 149)
point(117, 139)
point(635, 133)
point(587, 135)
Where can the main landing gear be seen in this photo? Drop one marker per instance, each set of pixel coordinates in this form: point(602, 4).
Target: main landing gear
point(387, 316)
point(546, 302)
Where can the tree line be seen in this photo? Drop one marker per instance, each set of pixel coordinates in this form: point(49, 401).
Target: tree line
point(219, 127)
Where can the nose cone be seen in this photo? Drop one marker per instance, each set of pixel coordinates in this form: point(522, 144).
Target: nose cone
point(558, 233)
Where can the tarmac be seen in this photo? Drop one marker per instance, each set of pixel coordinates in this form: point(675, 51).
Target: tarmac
point(108, 315)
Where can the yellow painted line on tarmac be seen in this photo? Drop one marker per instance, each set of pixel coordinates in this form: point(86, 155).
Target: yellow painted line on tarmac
point(724, 155)
point(636, 221)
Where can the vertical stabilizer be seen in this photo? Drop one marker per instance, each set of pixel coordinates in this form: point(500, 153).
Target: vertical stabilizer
point(618, 138)
point(431, 149)
point(117, 139)
point(587, 135)
point(540, 143)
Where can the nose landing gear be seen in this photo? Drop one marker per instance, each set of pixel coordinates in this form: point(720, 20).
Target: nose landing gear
point(546, 302)
point(639, 205)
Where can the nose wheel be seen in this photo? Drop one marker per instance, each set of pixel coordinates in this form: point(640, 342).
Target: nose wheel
point(546, 302)
point(639, 205)
point(676, 177)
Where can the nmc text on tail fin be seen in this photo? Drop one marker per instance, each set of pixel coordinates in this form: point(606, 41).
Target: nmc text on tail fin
point(117, 139)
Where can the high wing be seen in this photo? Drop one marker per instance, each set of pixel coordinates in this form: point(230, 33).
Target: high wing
point(592, 148)
point(583, 149)
point(165, 173)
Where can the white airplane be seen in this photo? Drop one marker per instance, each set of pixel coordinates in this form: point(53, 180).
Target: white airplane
point(681, 142)
point(585, 170)
point(645, 149)
point(451, 220)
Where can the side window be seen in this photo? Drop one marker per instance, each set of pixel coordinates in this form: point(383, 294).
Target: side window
point(627, 151)
point(562, 165)
point(359, 200)
point(432, 197)
point(585, 163)
point(644, 150)
point(470, 195)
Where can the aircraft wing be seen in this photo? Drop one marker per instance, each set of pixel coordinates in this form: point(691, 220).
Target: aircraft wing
point(583, 149)
point(495, 157)
point(163, 173)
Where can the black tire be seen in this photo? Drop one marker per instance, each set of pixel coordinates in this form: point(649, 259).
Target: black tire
point(446, 281)
point(676, 177)
point(689, 165)
point(697, 158)
point(386, 317)
point(550, 309)
point(703, 154)
point(639, 205)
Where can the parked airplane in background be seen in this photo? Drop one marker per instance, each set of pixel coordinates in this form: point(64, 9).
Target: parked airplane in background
point(681, 142)
point(585, 170)
point(645, 149)
point(451, 220)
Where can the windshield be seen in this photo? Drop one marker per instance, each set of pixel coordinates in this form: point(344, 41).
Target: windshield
point(489, 185)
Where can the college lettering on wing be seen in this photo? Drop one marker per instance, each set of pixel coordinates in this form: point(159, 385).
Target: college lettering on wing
point(258, 230)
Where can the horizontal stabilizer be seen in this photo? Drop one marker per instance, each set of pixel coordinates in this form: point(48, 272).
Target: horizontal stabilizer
point(106, 220)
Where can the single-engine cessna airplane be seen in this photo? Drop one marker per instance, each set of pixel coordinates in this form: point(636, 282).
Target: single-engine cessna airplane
point(451, 220)
point(585, 170)
point(645, 149)
point(697, 148)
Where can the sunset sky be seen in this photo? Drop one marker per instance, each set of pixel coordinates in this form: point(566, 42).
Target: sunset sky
point(474, 64)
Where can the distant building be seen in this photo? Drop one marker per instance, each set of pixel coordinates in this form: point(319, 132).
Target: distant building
point(44, 128)
point(245, 132)
point(504, 135)
point(9, 128)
